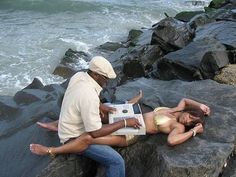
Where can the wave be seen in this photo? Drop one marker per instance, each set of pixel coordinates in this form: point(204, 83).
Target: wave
point(79, 6)
point(49, 6)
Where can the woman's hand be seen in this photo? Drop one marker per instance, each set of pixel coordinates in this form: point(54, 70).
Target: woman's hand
point(206, 110)
point(198, 128)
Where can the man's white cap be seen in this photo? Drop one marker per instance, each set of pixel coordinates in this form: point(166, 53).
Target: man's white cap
point(102, 66)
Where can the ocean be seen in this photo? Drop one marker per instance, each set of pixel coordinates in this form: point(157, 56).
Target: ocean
point(35, 34)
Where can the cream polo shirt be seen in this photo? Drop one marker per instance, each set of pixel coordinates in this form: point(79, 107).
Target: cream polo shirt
point(80, 107)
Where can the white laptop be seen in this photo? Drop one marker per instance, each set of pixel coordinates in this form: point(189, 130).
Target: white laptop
point(124, 111)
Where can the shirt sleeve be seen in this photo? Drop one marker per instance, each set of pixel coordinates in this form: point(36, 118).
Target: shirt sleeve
point(89, 109)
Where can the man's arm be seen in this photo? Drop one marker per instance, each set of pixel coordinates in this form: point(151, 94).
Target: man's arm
point(110, 128)
point(104, 111)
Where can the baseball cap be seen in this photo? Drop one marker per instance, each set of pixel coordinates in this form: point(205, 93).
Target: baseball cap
point(102, 66)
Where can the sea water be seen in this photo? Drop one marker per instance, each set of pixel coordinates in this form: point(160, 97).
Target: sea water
point(35, 34)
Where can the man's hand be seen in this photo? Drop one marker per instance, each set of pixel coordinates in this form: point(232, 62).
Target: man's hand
point(104, 110)
point(133, 122)
point(206, 110)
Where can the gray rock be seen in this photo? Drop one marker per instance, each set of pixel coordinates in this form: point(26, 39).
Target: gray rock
point(171, 34)
point(204, 155)
point(224, 31)
point(198, 60)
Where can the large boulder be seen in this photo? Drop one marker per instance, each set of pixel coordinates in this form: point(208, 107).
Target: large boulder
point(71, 62)
point(204, 155)
point(224, 31)
point(200, 59)
point(18, 128)
point(171, 34)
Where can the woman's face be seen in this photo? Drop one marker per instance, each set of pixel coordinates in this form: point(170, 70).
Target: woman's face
point(186, 119)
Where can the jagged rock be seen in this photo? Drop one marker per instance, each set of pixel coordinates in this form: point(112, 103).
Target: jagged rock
point(206, 154)
point(140, 60)
point(111, 46)
point(70, 165)
point(133, 35)
point(171, 34)
point(64, 71)
point(224, 31)
point(212, 62)
point(203, 155)
point(8, 107)
point(71, 63)
point(186, 16)
point(139, 38)
point(197, 60)
point(18, 130)
point(28, 96)
point(200, 20)
point(35, 84)
point(217, 3)
point(227, 75)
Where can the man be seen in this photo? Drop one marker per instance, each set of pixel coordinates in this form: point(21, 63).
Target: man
point(80, 113)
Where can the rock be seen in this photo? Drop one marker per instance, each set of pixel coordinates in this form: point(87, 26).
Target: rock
point(18, 129)
point(212, 62)
point(140, 60)
point(111, 46)
point(200, 20)
point(171, 34)
point(72, 62)
point(203, 155)
point(186, 16)
point(224, 31)
point(28, 96)
point(217, 3)
point(227, 75)
point(8, 107)
point(188, 63)
point(70, 165)
point(35, 84)
point(64, 71)
point(139, 37)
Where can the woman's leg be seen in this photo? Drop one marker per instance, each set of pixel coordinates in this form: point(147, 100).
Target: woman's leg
point(52, 126)
point(79, 144)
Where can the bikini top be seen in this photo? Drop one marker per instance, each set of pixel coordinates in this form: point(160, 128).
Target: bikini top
point(160, 119)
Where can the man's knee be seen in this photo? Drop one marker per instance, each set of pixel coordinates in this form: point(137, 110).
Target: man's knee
point(118, 160)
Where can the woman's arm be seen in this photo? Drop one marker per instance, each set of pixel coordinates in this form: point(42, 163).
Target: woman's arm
point(178, 134)
point(186, 103)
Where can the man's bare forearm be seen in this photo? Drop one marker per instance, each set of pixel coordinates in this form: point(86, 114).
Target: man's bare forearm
point(107, 129)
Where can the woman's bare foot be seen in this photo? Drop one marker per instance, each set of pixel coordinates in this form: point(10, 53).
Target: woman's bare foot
point(136, 98)
point(51, 126)
point(39, 149)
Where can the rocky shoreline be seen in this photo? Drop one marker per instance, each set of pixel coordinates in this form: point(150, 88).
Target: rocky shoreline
point(191, 55)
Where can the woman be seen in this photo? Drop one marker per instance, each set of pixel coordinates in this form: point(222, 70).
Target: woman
point(172, 121)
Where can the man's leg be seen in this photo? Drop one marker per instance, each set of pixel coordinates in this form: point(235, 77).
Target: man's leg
point(108, 157)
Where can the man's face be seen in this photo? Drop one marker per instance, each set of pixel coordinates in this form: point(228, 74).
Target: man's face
point(102, 81)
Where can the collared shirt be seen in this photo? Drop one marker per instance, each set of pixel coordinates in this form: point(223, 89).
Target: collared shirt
point(80, 107)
